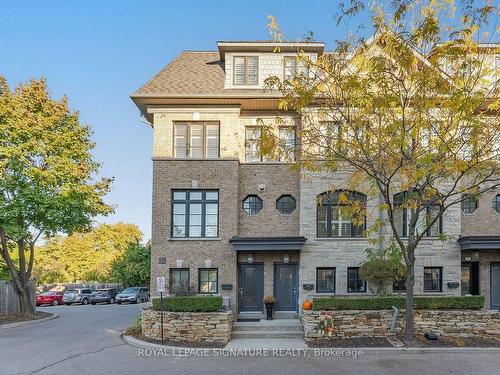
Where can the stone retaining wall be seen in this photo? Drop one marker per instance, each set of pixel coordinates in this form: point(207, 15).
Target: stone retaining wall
point(193, 327)
point(377, 323)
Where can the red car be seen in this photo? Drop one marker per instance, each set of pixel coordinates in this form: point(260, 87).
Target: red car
point(49, 298)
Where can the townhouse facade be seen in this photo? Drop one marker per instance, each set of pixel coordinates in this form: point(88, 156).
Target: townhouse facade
point(226, 221)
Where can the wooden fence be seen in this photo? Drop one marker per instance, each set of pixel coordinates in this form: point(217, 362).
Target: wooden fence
point(9, 300)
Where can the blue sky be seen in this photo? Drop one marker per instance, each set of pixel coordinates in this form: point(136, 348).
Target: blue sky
point(99, 52)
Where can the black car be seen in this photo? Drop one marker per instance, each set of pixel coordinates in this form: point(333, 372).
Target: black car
point(104, 295)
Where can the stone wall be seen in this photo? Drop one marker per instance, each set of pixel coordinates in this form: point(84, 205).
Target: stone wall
point(192, 327)
point(377, 323)
point(342, 253)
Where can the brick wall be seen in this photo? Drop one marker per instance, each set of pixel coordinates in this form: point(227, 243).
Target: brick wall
point(181, 174)
point(277, 179)
point(484, 221)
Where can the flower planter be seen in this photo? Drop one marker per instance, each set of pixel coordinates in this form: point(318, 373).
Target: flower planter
point(269, 311)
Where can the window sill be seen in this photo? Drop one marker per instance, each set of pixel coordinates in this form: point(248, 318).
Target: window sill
point(196, 239)
point(341, 238)
point(322, 294)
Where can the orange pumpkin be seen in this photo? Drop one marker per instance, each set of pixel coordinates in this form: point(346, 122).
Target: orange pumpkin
point(307, 305)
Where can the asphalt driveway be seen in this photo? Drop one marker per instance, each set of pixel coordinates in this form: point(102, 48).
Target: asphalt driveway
point(86, 340)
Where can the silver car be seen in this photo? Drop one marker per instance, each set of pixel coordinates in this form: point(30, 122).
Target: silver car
point(134, 294)
point(81, 296)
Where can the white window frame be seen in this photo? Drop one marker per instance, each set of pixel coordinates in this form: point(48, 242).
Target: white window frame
point(245, 77)
point(188, 139)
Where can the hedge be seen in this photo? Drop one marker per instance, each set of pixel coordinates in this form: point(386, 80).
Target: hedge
point(386, 303)
point(189, 303)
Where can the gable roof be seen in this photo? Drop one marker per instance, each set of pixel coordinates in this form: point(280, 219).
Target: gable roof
point(189, 73)
point(195, 74)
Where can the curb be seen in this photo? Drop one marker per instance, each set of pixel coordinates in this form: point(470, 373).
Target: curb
point(132, 341)
point(28, 322)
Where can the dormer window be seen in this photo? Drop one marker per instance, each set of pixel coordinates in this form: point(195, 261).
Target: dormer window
point(246, 70)
point(294, 66)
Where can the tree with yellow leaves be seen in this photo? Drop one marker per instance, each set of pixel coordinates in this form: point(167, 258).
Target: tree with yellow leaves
point(414, 109)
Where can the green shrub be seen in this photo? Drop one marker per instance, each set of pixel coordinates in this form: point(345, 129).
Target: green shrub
point(386, 303)
point(189, 303)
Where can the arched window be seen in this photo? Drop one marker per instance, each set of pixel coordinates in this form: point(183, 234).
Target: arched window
point(427, 214)
point(334, 216)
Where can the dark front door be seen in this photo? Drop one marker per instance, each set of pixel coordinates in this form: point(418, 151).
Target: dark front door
point(495, 286)
point(470, 278)
point(286, 280)
point(251, 284)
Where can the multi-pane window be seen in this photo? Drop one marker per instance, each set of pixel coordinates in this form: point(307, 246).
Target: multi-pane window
point(207, 280)
point(402, 217)
point(354, 283)
point(433, 281)
point(286, 204)
point(196, 140)
point(246, 70)
point(399, 285)
point(179, 280)
point(496, 203)
point(325, 280)
point(252, 139)
point(252, 204)
point(329, 133)
point(195, 213)
point(469, 204)
point(334, 216)
point(294, 66)
point(287, 144)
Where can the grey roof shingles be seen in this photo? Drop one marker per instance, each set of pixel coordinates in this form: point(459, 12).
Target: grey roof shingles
point(195, 74)
point(189, 73)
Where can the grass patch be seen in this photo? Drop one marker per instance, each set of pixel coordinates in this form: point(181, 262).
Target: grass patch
point(136, 328)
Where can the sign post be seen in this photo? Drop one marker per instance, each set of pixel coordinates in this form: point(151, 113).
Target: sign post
point(160, 288)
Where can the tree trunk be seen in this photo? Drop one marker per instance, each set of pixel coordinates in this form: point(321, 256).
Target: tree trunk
point(410, 283)
point(27, 308)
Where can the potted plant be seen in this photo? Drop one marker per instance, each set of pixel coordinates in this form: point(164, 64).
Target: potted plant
point(269, 302)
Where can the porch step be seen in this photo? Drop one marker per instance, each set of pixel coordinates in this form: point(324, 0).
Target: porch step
point(268, 329)
point(258, 335)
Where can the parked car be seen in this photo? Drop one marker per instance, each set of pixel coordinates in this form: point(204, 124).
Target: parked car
point(49, 298)
point(134, 294)
point(103, 295)
point(81, 296)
